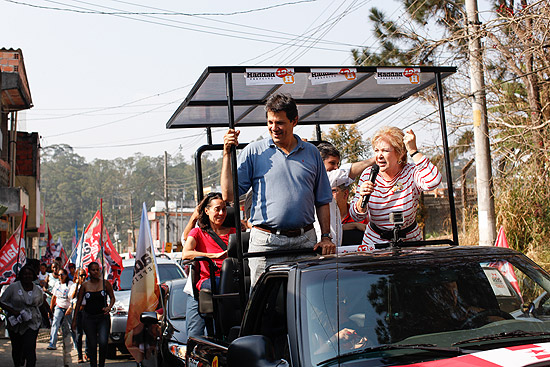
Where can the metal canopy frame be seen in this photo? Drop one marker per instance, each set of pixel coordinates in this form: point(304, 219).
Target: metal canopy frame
point(222, 98)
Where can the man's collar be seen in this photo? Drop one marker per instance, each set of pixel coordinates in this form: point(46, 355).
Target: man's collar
point(300, 144)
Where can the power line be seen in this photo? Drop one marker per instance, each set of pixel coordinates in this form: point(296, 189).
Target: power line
point(161, 13)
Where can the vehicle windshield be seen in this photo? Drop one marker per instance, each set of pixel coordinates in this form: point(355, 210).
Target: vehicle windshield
point(472, 303)
point(166, 272)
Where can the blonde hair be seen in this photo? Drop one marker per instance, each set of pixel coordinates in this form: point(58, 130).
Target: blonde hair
point(394, 136)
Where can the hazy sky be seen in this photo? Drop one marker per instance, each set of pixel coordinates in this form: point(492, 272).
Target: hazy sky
point(106, 84)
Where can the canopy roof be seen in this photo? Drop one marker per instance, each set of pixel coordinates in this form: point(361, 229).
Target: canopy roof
point(325, 95)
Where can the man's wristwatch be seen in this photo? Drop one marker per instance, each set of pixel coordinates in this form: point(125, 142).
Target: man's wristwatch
point(327, 235)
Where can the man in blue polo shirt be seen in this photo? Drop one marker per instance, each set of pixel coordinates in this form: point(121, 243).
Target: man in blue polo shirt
point(289, 183)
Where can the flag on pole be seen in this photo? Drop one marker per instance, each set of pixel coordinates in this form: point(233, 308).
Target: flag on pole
point(12, 254)
point(504, 266)
point(91, 247)
point(145, 288)
point(60, 252)
point(75, 237)
point(49, 256)
point(76, 256)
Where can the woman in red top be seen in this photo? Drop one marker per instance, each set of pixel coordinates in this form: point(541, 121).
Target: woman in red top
point(212, 212)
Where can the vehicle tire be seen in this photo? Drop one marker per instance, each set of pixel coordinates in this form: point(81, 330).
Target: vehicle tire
point(111, 351)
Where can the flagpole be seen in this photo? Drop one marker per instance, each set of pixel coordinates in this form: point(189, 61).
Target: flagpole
point(101, 247)
point(19, 243)
point(81, 245)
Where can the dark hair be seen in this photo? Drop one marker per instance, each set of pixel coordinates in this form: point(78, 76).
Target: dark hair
point(203, 220)
point(71, 265)
point(93, 263)
point(282, 103)
point(66, 273)
point(327, 150)
point(44, 264)
point(29, 268)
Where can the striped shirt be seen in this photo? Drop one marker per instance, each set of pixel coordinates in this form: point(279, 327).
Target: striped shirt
point(398, 195)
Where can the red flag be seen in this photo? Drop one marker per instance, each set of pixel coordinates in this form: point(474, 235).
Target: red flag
point(504, 266)
point(10, 260)
point(91, 251)
point(49, 255)
point(130, 256)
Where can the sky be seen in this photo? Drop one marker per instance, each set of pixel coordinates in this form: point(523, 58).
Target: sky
point(105, 76)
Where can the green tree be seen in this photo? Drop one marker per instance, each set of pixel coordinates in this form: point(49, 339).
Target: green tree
point(348, 140)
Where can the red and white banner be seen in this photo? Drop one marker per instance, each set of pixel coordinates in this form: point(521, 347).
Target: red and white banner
point(523, 355)
point(397, 75)
point(324, 76)
point(504, 266)
point(10, 262)
point(269, 76)
point(91, 248)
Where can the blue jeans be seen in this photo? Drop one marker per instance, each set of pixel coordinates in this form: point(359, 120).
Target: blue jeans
point(195, 323)
point(58, 315)
point(97, 328)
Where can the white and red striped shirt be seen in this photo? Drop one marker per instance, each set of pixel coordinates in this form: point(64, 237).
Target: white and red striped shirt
point(398, 195)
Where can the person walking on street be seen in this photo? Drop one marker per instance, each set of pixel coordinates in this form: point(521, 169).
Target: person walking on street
point(96, 318)
point(289, 184)
point(78, 314)
point(24, 302)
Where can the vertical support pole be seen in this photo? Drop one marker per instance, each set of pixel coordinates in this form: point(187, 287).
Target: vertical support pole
point(450, 189)
point(231, 115)
point(318, 132)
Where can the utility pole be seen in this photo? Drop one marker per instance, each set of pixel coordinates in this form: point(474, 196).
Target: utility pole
point(166, 211)
point(133, 237)
point(485, 198)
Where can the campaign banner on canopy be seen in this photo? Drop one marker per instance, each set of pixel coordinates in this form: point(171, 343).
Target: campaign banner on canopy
point(397, 75)
point(10, 261)
point(269, 76)
point(145, 289)
point(324, 76)
point(353, 248)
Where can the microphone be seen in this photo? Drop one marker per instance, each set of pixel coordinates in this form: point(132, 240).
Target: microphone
point(373, 173)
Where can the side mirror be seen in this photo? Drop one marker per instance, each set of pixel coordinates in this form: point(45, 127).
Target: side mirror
point(251, 351)
point(149, 318)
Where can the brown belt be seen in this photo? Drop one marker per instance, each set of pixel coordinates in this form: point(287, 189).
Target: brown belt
point(295, 232)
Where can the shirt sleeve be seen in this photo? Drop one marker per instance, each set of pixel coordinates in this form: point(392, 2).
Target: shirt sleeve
point(426, 175)
point(353, 213)
point(323, 191)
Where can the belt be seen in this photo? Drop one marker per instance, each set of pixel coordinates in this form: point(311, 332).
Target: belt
point(295, 232)
point(388, 235)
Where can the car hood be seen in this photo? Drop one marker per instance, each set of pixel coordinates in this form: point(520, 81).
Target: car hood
point(123, 297)
point(516, 356)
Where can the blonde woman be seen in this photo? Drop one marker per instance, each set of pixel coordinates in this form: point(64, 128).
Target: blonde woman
point(397, 187)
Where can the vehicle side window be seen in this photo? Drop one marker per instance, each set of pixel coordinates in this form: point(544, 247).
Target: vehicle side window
point(271, 316)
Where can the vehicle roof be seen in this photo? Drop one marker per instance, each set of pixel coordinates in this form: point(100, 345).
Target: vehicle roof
point(344, 102)
point(404, 255)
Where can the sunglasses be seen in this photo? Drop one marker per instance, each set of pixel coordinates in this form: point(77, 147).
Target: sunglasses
point(81, 275)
